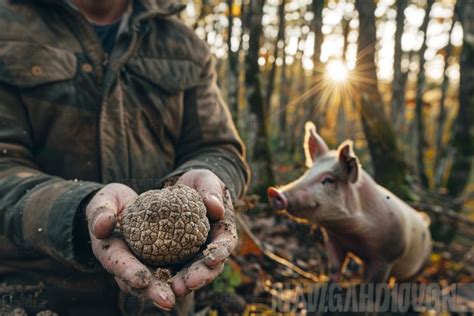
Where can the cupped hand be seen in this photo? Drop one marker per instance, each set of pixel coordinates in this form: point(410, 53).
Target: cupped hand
point(223, 234)
point(103, 212)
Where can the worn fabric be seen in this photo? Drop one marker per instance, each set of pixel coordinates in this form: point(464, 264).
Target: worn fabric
point(107, 34)
point(72, 120)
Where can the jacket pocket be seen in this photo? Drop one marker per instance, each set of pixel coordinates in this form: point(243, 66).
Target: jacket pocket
point(27, 65)
point(171, 75)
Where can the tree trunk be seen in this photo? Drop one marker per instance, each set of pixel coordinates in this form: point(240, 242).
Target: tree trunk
point(284, 92)
point(318, 67)
point(233, 75)
point(420, 86)
point(317, 25)
point(286, 82)
point(399, 80)
point(345, 34)
point(280, 36)
point(262, 162)
point(310, 99)
point(390, 170)
point(440, 152)
point(462, 144)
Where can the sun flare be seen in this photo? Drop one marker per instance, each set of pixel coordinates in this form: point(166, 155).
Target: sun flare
point(337, 71)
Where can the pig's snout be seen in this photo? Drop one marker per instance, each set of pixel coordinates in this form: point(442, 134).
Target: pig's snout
point(277, 199)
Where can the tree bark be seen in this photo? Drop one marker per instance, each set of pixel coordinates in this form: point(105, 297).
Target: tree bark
point(311, 97)
point(280, 37)
point(440, 152)
point(262, 160)
point(284, 93)
point(390, 170)
point(233, 75)
point(317, 25)
point(318, 67)
point(399, 79)
point(345, 34)
point(420, 87)
point(462, 142)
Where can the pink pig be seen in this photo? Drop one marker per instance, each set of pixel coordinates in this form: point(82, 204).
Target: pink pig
point(357, 215)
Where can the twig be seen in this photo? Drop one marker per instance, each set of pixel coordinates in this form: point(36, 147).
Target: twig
point(276, 258)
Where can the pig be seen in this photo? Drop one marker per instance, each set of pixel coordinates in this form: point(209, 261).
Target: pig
point(356, 215)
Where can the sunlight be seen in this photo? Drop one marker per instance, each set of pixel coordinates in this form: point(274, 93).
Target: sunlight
point(336, 71)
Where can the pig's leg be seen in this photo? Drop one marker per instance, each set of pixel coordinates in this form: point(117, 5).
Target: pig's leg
point(336, 256)
point(377, 271)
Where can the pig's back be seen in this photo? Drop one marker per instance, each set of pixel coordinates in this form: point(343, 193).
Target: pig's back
point(418, 241)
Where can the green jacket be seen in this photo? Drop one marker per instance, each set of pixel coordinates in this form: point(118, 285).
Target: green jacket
point(73, 119)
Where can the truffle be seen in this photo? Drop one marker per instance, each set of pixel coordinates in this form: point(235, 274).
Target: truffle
point(165, 227)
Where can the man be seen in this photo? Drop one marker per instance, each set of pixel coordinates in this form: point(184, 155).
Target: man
point(100, 101)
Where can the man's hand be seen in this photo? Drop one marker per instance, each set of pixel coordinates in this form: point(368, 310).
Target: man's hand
point(103, 212)
point(107, 206)
point(223, 234)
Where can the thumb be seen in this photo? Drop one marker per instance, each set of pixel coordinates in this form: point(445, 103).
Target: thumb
point(214, 205)
point(104, 207)
point(209, 187)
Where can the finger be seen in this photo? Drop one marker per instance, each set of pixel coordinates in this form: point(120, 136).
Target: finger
point(223, 241)
point(194, 277)
point(160, 294)
point(210, 187)
point(103, 217)
point(217, 253)
point(115, 257)
point(122, 285)
point(102, 210)
point(179, 286)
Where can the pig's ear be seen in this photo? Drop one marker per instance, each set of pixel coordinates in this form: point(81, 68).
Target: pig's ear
point(348, 161)
point(314, 145)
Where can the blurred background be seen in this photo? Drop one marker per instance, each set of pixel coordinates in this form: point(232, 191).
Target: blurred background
point(395, 76)
point(281, 63)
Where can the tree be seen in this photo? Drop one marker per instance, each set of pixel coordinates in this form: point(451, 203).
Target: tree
point(317, 28)
point(462, 146)
point(284, 91)
point(440, 149)
point(280, 38)
point(399, 78)
point(390, 170)
point(311, 98)
point(262, 160)
point(233, 74)
point(420, 85)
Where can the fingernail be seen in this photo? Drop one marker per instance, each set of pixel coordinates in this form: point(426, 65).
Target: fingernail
point(198, 287)
point(97, 219)
point(163, 296)
point(162, 307)
point(213, 263)
point(216, 197)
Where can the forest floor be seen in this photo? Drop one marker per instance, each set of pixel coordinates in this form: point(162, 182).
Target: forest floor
point(281, 263)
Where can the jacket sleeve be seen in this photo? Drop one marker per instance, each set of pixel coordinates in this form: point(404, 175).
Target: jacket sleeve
point(209, 139)
point(38, 212)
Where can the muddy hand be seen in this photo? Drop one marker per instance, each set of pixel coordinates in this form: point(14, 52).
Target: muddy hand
point(131, 275)
point(223, 232)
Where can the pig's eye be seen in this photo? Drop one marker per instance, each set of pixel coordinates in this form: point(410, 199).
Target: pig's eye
point(328, 180)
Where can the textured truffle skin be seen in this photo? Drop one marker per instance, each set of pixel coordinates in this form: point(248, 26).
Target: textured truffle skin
point(168, 226)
